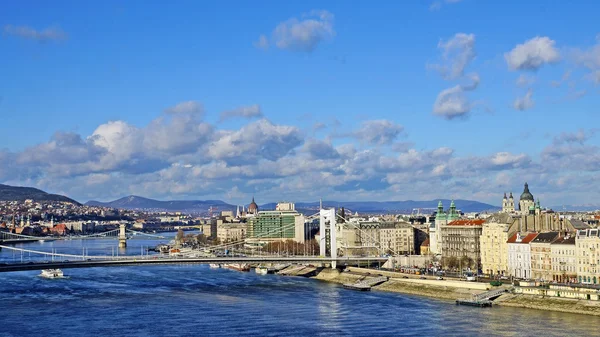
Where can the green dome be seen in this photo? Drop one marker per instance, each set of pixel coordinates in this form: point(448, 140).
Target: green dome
point(526, 195)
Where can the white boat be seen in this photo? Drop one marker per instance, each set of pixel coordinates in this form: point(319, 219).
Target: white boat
point(52, 273)
point(214, 265)
point(261, 270)
point(237, 266)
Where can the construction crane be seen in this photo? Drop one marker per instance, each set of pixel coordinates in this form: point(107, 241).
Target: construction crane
point(211, 210)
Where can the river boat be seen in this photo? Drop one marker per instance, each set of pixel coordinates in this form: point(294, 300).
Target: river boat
point(261, 270)
point(237, 266)
point(214, 265)
point(52, 273)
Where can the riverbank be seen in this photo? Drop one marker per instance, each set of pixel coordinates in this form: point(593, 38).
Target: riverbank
point(452, 290)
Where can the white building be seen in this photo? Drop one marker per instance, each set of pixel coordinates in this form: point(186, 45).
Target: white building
point(519, 255)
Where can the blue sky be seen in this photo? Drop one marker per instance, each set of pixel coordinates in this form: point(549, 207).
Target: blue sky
point(301, 100)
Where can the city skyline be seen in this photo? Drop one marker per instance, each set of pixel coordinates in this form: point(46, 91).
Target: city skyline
point(422, 100)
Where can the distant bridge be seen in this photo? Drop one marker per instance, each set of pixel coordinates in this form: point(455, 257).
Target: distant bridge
point(7, 237)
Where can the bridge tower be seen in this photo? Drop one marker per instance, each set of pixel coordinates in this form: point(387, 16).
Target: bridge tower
point(122, 236)
point(327, 230)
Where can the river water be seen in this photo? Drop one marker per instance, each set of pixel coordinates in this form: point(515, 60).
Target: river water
point(194, 300)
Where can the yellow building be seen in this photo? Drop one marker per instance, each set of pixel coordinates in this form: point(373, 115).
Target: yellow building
point(231, 232)
point(397, 238)
point(564, 259)
point(587, 249)
point(493, 243)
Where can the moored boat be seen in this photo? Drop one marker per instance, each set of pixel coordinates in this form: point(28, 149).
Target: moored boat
point(261, 270)
point(237, 266)
point(215, 265)
point(52, 273)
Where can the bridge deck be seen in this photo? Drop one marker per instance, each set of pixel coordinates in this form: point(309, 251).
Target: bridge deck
point(155, 260)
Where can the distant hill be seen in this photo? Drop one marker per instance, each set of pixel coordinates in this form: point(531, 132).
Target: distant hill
point(136, 202)
point(392, 206)
point(17, 193)
point(576, 208)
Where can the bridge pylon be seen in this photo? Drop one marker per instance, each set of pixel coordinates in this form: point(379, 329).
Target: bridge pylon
point(122, 237)
point(327, 231)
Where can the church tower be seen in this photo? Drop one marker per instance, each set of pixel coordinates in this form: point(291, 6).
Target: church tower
point(526, 201)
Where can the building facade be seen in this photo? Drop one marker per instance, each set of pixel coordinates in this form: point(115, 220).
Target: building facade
point(278, 225)
point(587, 249)
point(231, 232)
point(461, 238)
point(564, 259)
point(397, 238)
point(541, 256)
point(441, 219)
point(494, 244)
point(519, 255)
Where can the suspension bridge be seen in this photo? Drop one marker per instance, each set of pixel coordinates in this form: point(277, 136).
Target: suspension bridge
point(7, 237)
point(90, 261)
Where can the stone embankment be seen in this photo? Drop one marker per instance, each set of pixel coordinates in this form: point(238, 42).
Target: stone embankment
point(452, 290)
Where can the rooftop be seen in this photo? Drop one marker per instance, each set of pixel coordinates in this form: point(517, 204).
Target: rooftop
point(546, 237)
point(524, 238)
point(467, 222)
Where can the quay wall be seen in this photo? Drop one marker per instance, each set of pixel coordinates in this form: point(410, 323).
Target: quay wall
point(452, 290)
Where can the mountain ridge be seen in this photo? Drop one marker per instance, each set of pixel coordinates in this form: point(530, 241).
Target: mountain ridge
point(21, 193)
point(137, 202)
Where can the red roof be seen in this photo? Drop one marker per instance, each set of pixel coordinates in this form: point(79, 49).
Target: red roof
point(467, 222)
point(528, 238)
point(425, 243)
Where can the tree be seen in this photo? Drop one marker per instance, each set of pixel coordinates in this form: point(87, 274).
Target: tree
point(179, 236)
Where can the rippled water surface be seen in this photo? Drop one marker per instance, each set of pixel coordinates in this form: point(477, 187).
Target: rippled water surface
point(198, 301)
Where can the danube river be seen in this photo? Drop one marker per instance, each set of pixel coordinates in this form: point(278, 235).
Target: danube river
point(193, 300)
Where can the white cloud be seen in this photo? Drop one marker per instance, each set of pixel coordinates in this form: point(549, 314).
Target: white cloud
point(279, 162)
point(302, 35)
point(589, 59)
point(250, 111)
point(524, 103)
point(532, 54)
point(26, 32)
point(379, 132)
point(188, 107)
point(457, 54)
point(453, 103)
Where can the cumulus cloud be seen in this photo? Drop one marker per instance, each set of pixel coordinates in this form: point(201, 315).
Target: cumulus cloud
point(457, 54)
point(453, 102)
point(188, 107)
point(275, 161)
point(250, 111)
point(524, 103)
point(379, 132)
point(590, 59)
point(301, 35)
point(260, 139)
point(532, 54)
point(580, 136)
point(26, 32)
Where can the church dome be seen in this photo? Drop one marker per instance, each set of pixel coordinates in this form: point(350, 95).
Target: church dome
point(526, 195)
point(253, 207)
